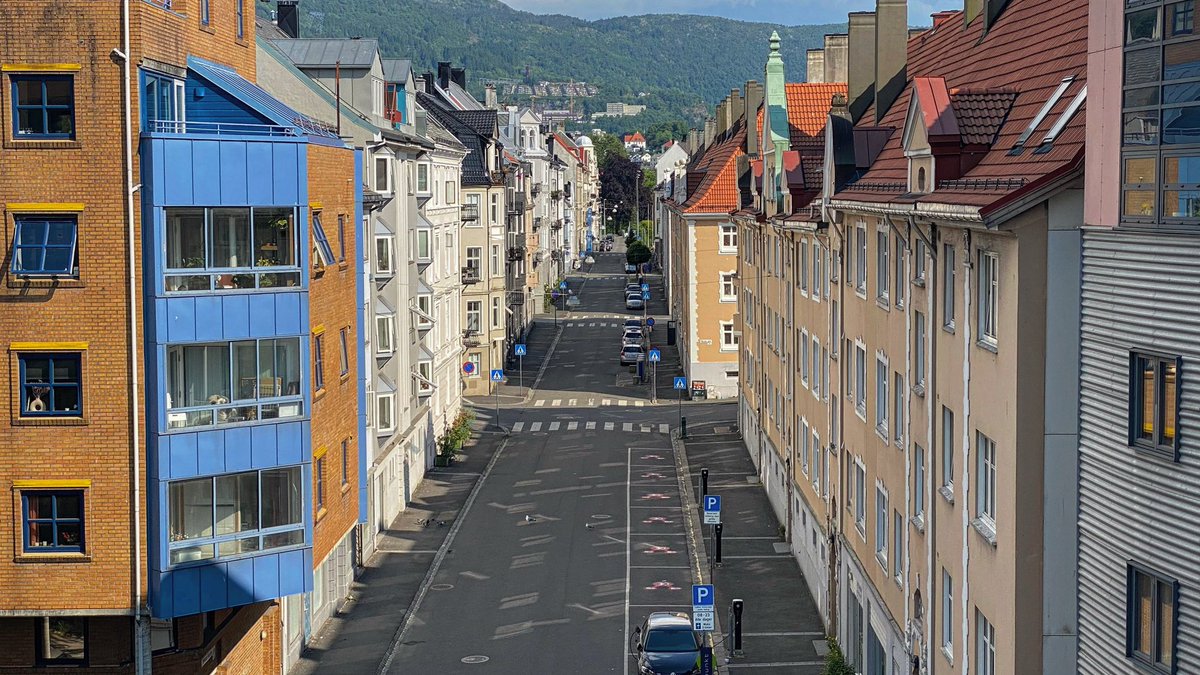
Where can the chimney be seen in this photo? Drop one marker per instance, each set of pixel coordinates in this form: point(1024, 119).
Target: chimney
point(489, 97)
point(971, 9)
point(722, 122)
point(991, 12)
point(443, 78)
point(427, 83)
point(287, 17)
point(422, 121)
point(754, 99)
point(940, 18)
point(840, 164)
point(891, 53)
point(815, 70)
point(836, 48)
point(459, 76)
point(710, 131)
point(693, 140)
point(737, 107)
point(860, 64)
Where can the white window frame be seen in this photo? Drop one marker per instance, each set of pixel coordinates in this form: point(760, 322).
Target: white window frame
point(389, 424)
point(860, 380)
point(385, 265)
point(948, 450)
point(882, 513)
point(497, 314)
point(985, 481)
point(920, 330)
point(804, 359)
point(474, 358)
point(803, 271)
point(947, 615)
point(817, 269)
point(989, 297)
point(898, 394)
point(423, 171)
point(919, 485)
point(729, 338)
point(860, 497)
point(949, 274)
point(497, 266)
point(985, 645)
point(386, 188)
point(860, 259)
point(385, 334)
point(804, 432)
point(897, 547)
point(900, 276)
point(919, 262)
point(825, 373)
point(815, 358)
point(477, 258)
point(728, 238)
point(883, 267)
point(377, 96)
point(817, 454)
point(882, 400)
point(728, 287)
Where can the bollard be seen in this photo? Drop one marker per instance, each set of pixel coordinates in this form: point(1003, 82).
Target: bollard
point(683, 427)
point(703, 486)
point(737, 627)
point(717, 544)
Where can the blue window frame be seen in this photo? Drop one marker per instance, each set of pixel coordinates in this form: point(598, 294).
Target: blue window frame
point(204, 14)
point(324, 250)
point(51, 385)
point(318, 362)
point(319, 469)
point(43, 106)
point(53, 521)
point(241, 18)
point(162, 102)
point(45, 246)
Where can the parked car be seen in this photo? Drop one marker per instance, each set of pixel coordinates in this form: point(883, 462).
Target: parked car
point(633, 301)
point(633, 323)
point(633, 288)
point(632, 336)
point(666, 643)
point(631, 354)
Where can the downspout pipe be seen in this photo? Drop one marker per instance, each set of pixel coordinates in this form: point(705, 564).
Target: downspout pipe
point(141, 663)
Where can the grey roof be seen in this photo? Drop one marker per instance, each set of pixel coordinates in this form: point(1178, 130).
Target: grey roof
point(482, 121)
point(323, 52)
point(266, 29)
point(396, 70)
point(463, 98)
point(474, 169)
point(438, 133)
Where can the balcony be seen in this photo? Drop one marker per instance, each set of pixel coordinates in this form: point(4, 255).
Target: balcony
point(557, 224)
point(472, 337)
point(537, 223)
point(535, 189)
point(220, 128)
point(470, 212)
point(470, 275)
point(555, 195)
point(516, 253)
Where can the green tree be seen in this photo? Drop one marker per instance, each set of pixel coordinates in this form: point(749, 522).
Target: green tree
point(637, 253)
point(606, 146)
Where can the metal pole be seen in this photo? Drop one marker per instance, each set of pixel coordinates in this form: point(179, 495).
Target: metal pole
point(682, 429)
point(496, 392)
point(737, 627)
point(717, 544)
point(703, 485)
point(654, 383)
point(521, 372)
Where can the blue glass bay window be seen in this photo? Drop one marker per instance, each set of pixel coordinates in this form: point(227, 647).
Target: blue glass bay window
point(53, 521)
point(43, 106)
point(221, 249)
point(233, 382)
point(230, 515)
point(51, 385)
point(44, 246)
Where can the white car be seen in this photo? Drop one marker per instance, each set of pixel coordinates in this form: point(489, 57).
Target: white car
point(633, 301)
point(632, 336)
point(632, 354)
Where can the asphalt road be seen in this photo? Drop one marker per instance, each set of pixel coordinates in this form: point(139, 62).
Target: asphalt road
point(576, 532)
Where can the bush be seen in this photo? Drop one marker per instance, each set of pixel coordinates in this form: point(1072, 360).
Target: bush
point(457, 433)
point(637, 253)
point(835, 661)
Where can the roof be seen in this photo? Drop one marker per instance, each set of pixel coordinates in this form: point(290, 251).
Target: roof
point(474, 167)
point(669, 620)
point(716, 174)
point(460, 98)
point(1021, 61)
point(263, 103)
point(396, 70)
point(328, 52)
point(266, 29)
point(807, 110)
point(439, 134)
point(635, 137)
point(934, 98)
point(483, 122)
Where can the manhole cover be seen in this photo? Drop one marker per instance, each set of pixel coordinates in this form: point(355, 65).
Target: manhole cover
point(441, 587)
point(478, 658)
point(601, 516)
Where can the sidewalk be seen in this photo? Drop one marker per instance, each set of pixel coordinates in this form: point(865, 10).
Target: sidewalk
point(357, 637)
point(525, 371)
point(782, 630)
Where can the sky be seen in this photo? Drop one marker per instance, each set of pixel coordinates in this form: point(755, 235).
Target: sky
point(789, 12)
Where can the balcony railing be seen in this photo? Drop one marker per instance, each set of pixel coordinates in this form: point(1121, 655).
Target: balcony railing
point(472, 338)
point(470, 212)
point(557, 224)
point(219, 128)
point(516, 253)
point(470, 275)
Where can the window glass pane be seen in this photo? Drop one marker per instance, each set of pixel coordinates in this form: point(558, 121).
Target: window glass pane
point(29, 92)
point(1181, 125)
point(1138, 203)
point(37, 371)
point(1166, 623)
point(1181, 60)
point(1142, 26)
point(1140, 128)
point(1180, 18)
point(1167, 406)
point(1143, 633)
point(64, 639)
point(281, 497)
point(68, 505)
point(59, 121)
point(1180, 93)
point(274, 237)
point(231, 238)
point(31, 121)
point(1135, 98)
point(237, 503)
point(245, 365)
point(191, 510)
point(1181, 203)
point(185, 238)
point(1145, 425)
point(280, 539)
point(1142, 66)
point(1139, 169)
point(1184, 170)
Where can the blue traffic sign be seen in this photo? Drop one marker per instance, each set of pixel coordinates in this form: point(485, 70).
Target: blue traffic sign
point(645, 286)
point(519, 350)
point(497, 376)
point(650, 322)
point(702, 595)
point(681, 383)
point(655, 356)
point(468, 367)
point(712, 509)
point(645, 295)
point(562, 285)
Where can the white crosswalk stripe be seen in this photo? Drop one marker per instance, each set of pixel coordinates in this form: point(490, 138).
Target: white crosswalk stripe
point(628, 426)
point(592, 325)
point(608, 426)
point(589, 426)
point(556, 402)
point(639, 404)
point(622, 403)
point(572, 426)
point(518, 426)
point(536, 426)
point(591, 403)
point(664, 428)
point(553, 426)
point(606, 401)
point(539, 403)
point(571, 403)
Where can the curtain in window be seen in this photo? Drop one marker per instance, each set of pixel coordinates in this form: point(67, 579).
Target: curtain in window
point(231, 238)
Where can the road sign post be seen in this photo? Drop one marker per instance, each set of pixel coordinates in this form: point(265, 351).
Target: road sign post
point(680, 385)
point(520, 350)
point(655, 356)
point(712, 509)
point(554, 304)
point(497, 378)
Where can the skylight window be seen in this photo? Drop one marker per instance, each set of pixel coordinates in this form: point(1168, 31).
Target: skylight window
point(1061, 124)
point(1019, 146)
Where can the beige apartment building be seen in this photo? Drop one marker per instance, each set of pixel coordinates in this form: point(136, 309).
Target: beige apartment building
point(948, 233)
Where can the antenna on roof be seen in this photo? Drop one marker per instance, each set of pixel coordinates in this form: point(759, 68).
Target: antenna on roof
point(1019, 146)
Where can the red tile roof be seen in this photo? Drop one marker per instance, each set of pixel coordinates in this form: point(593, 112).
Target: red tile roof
point(635, 137)
point(934, 99)
point(1029, 50)
point(717, 189)
point(981, 114)
point(808, 107)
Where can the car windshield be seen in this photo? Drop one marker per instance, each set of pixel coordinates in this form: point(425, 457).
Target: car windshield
point(632, 349)
point(666, 640)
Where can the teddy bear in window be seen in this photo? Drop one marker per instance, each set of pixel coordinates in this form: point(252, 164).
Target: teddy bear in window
point(36, 402)
point(217, 399)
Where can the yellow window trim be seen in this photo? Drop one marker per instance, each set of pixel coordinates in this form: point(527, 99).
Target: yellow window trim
point(50, 484)
point(318, 330)
point(315, 206)
point(47, 346)
point(40, 67)
point(43, 207)
point(320, 452)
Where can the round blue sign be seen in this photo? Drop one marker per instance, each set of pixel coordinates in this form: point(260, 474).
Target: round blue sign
point(468, 367)
point(650, 322)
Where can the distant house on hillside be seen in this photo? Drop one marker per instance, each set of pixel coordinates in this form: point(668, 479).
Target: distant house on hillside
point(635, 142)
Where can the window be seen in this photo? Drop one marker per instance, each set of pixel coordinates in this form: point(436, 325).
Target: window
point(897, 547)
point(947, 449)
point(53, 521)
point(989, 289)
point(729, 238)
point(423, 179)
point(882, 269)
point(833, 344)
point(234, 514)
point(43, 106)
point(383, 174)
point(804, 359)
point(163, 102)
point(919, 350)
point(240, 9)
point(818, 267)
point(378, 94)
point(804, 446)
point(898, 410)
point(51, 385)
point(985, 481)
point(1154, 404)
point(728, 288)
point(816, 367)
point(919, 262)
point(918, 483)
point(318, 362)
point(860, 259)
point(816, 459)
point(204, 13)
point(495, 207)
point(881, 396)
point(948, 286)
point(900, 273)
point(947, 615)
point(475, 258)
point(345, 461)
point(860, 380)
point(324, 252)
point(881, 526)
point(860, 496)
point(345, 352)
point(383, 256)
point(473, 359)
point(451, 197)
point(236, 248)
point(319, 475)
point(803, 271)
point(985, 645)
point(496, 313)
point(729, 337)
point(1151, 618)
point(45, 247)
point(61, 641)
point(385, 334)
point(385, 419)
point(242, 381)
point(497, 269)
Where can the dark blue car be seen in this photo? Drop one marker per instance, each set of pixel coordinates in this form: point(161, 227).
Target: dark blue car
point(666, 645)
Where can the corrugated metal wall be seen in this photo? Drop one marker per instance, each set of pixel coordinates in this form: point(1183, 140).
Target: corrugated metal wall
point(1140, 292)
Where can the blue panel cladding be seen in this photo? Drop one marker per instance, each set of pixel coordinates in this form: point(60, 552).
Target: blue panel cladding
point(177, 181)
point(201, 588)
point(287, 185)
point(235, 316)
point(186, 586)
point(266, 577)
point(241, 581)
point(183, 454)
point(209, 318)
point(234, 174)
point(262, 315)
point(206, 103)
point(206, 161)
point(214, 593)
point(181, 320)
point(209, 452)
point(293, 571)
point(263, 446)
point(238, 450)
point(288, 318)
point(360, 297)
point(259, 184)
point(291, 441)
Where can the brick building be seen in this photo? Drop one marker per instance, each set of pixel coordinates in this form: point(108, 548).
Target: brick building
point(160, 302)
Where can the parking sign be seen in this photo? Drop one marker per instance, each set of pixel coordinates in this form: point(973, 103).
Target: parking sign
point(703, 607)
point(712, 509)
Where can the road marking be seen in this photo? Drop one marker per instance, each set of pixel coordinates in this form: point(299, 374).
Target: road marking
point(622, 402)
point(556, 402)
point(797, 633)
point(778, 664)
point(517, 427)
point(628, 426)
point(536, 426)
point(628, 550)
point(608, 426)
point(572, 426)
point(659, 567)
point(664, 428)
point(589, 426)
point(606, 401)
point(646, 428)
point(571, 402)
point(592, 325)
point(553, 426)
point(638, 404)
point(591, 403)
point(539, 403)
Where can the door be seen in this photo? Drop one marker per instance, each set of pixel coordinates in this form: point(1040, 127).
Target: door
point(293, 630)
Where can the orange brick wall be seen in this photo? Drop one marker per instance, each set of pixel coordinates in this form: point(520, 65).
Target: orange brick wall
point(332, 304)
point(172, 35)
